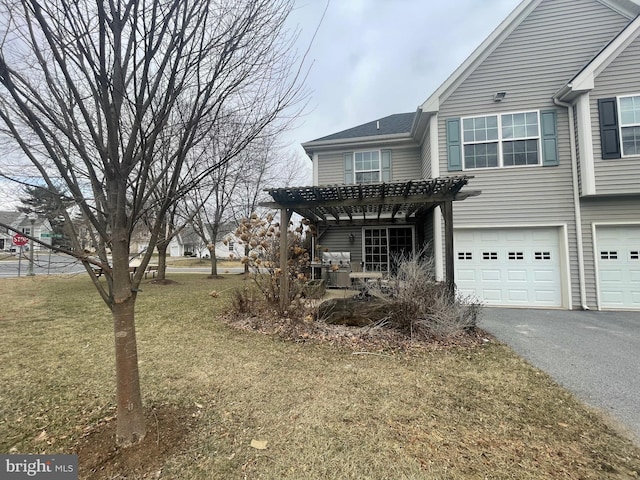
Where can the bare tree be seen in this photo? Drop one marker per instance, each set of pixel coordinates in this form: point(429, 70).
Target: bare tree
point(215, 201)
point(268, 169)
point(88, 92)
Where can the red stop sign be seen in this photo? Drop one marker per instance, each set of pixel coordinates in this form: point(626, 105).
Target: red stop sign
point(20, 240)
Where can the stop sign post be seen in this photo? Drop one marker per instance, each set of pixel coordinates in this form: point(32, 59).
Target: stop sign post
point(20, 240)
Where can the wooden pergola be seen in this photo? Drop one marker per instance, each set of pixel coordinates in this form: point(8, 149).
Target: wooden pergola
point(348, 204)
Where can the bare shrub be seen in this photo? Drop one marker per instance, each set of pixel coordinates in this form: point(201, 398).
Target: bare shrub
point(408, 308)
point(422, 306)
point(262, 236)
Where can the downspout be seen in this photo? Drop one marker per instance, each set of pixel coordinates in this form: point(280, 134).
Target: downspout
point(576, 203)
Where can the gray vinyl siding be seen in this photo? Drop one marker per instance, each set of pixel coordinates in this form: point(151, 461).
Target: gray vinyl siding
point(425, 234)
point(621, 210)
point(546, 50)
point(330, 168)
point(553, 43)
point(621, 77)
point(426, 155)
point(336, 239)
point(405, 165)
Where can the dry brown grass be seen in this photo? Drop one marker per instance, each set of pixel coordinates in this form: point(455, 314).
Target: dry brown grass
point(326, 412)
point(202, 262)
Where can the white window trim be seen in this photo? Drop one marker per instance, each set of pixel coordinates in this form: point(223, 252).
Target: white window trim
point(500, 140)
point(356, 171)
point(620, 126)
point(386, 228)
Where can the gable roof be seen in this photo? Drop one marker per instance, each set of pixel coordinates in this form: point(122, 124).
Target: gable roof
point(584, 80)
point(8, 218)
point(396, 124)
point(19, 219)
point(404, 125)
point(627, 8)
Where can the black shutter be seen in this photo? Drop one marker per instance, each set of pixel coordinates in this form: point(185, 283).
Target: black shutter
point(609, 132)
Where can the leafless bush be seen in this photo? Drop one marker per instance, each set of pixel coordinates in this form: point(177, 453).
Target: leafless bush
point(409, 306)
point(262, 236)
point(423, 306)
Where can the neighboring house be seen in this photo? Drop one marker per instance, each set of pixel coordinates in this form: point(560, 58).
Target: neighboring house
point(22, 222)
point(140, 239)
point(187, 242)
point(545, 118)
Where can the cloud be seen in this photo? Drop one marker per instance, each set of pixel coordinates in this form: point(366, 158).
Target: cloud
point(373, 58)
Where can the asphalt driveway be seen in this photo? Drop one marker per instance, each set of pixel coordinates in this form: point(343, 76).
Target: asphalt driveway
point(596, 355)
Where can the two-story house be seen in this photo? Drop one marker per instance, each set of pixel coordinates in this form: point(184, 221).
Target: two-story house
point(545, 117)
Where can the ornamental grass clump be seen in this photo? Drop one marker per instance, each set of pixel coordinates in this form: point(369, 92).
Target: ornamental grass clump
point(422, 306)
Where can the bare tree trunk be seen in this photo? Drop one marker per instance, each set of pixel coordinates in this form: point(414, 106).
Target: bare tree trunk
point(162, 246)
point(214, 262)
point(131, 427)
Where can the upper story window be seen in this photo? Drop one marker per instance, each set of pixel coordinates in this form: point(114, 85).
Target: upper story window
point(505, 140)
point(367, 167)
point(630, 125)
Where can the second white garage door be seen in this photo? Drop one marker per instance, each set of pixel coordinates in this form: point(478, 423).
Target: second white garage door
point(509, 267)
point(618, 259)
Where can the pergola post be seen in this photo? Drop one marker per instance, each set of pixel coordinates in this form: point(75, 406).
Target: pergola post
point(285, 216)
point(447, 213)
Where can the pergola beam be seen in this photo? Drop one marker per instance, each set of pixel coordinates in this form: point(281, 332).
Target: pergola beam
point(375, 201)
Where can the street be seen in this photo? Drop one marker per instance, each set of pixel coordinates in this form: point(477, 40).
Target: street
point(44, 264)
point(12, 265)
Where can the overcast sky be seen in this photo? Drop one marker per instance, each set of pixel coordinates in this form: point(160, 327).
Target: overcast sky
point(373, 58)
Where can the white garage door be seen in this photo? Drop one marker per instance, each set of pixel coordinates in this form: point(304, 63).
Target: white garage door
point(618, 267)
point(509, 267)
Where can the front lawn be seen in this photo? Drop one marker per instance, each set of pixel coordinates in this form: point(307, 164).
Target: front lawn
point(227, 404)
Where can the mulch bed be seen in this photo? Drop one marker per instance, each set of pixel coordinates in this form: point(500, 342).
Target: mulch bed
point(302, 327)
point(168, 427)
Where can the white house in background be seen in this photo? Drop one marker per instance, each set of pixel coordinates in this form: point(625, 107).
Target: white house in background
point(189, 243)
point(21, 222)
point(230, 248)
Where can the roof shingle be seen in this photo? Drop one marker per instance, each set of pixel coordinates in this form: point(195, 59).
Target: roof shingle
point(396, 123)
